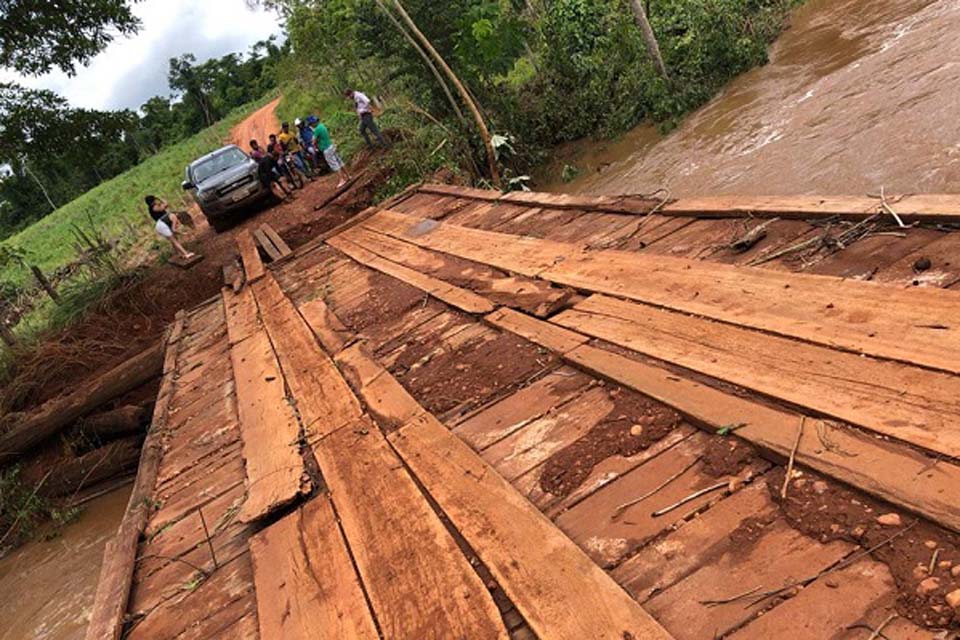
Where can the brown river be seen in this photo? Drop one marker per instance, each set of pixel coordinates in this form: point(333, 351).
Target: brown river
point(858, 94)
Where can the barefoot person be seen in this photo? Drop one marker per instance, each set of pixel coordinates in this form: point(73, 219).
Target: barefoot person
point(365, 113)
point(322, 135)
point(167, 225)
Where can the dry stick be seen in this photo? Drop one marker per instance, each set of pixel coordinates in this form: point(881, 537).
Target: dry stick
point(793, 458)
point(889, 209)
point(626, 505)
point(714, 603)
point(689, 498)
point(206, 532)
point(879, 630)
point(933, 560)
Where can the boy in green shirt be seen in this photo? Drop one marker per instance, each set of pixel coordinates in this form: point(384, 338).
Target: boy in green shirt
point(322, 137)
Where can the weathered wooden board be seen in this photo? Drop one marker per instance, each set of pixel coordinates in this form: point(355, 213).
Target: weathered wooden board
point(324, 401)
point(307, 587)
point(327, 327)
point(460, 298)
point(268, 428)
point(282, 247)
point(419, 583)
point(886, 322)
point(243, 318)
point(916, 405)
point(907, 481)
point(267, 244)
point(252, 264)
point(559, 591)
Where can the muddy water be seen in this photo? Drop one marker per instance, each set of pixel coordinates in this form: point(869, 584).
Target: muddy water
point(47, 588)
point(858, 94)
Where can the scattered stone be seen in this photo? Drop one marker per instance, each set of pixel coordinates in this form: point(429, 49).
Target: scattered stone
point(953, 599)
point(858, 532)
point(830, 582)
point(889, 520)
point(922, 265)
point(955, 572)
point(636, 430)
point(820, 487)
point(920, 572)
point(944, 564)
point(928, 586)
point(735, 484)
point(930, 544)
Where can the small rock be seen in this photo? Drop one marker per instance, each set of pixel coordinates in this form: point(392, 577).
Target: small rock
point(930, 544)
point(636, 430)
point(944, 564)
point(928, 586)
point(922, 265)
point(889, 520)
point(920, 572)
point(953, 599)
point(820, 487)
point(830, 582)
point(955, 572)
point(858, 532)
point(835, 528)
point(735, 484)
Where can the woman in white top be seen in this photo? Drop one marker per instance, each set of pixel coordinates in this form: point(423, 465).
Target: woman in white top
point(167, 225)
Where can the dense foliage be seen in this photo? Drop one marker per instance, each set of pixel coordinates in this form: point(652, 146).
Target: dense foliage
point(544, 71)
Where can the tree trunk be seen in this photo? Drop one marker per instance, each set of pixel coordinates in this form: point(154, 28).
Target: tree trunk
point(45, 284)
point(649, 38)
point(113, 424)
point(73, 474)
point(471, 105)
point(43, 189)
point(429, 63)
point(28, 430)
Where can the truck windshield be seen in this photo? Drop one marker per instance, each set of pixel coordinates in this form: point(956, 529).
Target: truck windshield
point(217, 163)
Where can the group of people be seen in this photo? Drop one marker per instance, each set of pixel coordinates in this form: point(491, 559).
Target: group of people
point(290, 156)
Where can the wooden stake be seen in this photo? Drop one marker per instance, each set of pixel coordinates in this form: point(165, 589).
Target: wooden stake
point(793, 457)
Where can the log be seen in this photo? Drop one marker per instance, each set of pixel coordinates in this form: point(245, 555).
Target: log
point(58, 413)
point(113, 424)
point(77, 472)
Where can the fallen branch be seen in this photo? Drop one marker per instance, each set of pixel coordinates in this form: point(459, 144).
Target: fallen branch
point(751, 237)
point(714, 603)
point(879, 630)
point(793, 458)
point(693, 496)
point(626, 505)
point(889, 209)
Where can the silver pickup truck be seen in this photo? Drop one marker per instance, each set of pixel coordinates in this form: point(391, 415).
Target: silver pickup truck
point(224, 182)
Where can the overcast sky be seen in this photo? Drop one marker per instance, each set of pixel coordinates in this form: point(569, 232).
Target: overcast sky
point(133, 69)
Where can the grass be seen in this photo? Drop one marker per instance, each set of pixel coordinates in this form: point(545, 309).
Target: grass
point(113, 206)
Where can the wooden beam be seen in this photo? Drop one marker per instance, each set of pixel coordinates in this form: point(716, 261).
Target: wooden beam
point(915, 405)
point(307, 587)
point(266, 243)
point(269, 430)
point(282, 247)
point(892, 472)
point(119, 558)
point(252, 264)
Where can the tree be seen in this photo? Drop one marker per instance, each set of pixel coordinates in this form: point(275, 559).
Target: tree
point(38, 35)
point(455, 81)
point(649, 38)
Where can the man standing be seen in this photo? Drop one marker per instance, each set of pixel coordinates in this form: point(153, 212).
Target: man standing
point(291, 144)
point(329, 150)
point(367, 123)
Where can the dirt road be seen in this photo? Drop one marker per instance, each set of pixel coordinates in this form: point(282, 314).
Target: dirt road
point(258, 126)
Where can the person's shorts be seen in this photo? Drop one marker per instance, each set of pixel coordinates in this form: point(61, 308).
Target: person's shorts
point(163, 229)
point(333, 158)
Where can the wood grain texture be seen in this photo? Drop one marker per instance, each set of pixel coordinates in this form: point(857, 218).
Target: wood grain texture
point(252, 264)
point(307, 587)
point(267, 244)
point(282, 247)
point(418, 581)
point(915, 405)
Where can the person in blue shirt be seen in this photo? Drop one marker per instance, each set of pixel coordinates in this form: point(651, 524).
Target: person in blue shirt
point(306, 139)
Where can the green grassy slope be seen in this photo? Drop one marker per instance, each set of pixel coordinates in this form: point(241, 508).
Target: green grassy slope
point(114, 205)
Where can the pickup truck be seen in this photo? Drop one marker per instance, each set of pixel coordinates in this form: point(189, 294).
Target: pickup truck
point(224, 182)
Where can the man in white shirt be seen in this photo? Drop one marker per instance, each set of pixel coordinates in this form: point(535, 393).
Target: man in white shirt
point(367, 123)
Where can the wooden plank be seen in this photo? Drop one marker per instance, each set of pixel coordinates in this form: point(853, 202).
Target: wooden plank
point(282, 247)
point(517, 410)
point(454, 296)
point(327, 326)
point(418, 582)
point(268, 427)
point(243, 317)
point(324, 401)
point(385, 398)
point(863, 317)
point(534, 296)
point(307, 587)
point(116, 574)
point(267, 244)
point(545, 334)
point(944, 265)
point(252, 265)
point(908, 480)
point(558, 590)
point(916, 405)
point(459, 192)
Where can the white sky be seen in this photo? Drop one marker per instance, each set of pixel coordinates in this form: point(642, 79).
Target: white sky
point(131, 70)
